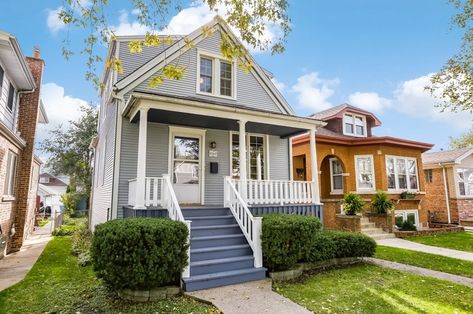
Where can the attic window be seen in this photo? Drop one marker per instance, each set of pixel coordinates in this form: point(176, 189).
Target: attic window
point(354, 125)
point(215, 76)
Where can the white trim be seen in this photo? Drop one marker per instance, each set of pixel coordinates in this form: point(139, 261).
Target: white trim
point(291, 161)
point(466, 154)
point(185, 131)
point(358, 189)
point(457, 182)
point(354, 116)
point(116, 169)
point(332, 190)
point(404, 213)
point(447, 198)
point(397, 189)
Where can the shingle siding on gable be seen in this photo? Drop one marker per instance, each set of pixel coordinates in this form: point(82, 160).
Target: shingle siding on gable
point(7, 116)
point(249, 92)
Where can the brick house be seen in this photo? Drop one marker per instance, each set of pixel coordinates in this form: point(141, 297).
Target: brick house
point(351, 159)
point(20, 111)
point(449, 185)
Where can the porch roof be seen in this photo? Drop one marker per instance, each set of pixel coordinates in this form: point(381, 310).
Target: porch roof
point(213, 115)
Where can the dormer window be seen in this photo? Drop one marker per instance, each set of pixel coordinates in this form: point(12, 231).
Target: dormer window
point(215, 76)
point(354, 125)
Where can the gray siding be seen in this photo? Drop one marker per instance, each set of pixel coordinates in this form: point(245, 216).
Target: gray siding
point(249, 91)
point(7, 116)
point(278, 158)
point(103, 174)
point(214, 182)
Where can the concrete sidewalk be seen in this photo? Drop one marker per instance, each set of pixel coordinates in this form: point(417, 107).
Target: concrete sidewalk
point(414, 246)
point(250, 297)
point(15, 266)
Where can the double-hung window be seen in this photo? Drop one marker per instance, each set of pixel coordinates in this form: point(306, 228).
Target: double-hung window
point(364, 173)
point(402, 173)
point(216, 76)
point(10, 178)
point(336, 175)
point(354, 125)
point(465, 181)
point(407, 215)
point(256, 156)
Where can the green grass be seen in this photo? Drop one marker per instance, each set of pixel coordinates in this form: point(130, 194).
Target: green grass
point(425, 260)
point(56, 284)
point(43, 222)
point(371, 289)
point(462, 241)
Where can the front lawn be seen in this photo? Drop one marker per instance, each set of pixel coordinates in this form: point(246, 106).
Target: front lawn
point(462, 241)
point(56, 284)
point(425, 260)
point(371, 289)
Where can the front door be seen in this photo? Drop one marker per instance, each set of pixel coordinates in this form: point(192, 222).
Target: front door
point(186, 168)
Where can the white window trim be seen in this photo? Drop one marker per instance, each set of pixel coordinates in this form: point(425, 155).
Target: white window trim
point(397, 189)
point(363, 118)
point(358, 189)
point(265, 152)
point(11, 193)
point(215, 75)
point(404, 213)
point(457, 183)
point(332, 190)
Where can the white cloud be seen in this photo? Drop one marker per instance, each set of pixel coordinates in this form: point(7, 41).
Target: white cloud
point(412, 99)
point(55, 24)
point(126, 27)
point(60, 108)
point(314, 92)
point(279, 85)
point(369, 101)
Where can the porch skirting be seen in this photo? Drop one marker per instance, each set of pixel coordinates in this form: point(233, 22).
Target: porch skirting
point(297, 209)
point(149, 212)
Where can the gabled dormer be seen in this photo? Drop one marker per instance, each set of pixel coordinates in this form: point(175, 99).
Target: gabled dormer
point(348, 120)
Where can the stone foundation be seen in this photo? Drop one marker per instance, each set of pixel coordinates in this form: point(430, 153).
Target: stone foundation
point(149, 295)
point(348, 223)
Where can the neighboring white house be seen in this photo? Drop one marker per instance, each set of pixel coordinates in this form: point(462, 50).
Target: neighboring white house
point(50, 190)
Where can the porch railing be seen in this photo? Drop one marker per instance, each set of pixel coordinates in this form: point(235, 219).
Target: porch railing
point(153, 191)
point(271, 192)
point(250, 225)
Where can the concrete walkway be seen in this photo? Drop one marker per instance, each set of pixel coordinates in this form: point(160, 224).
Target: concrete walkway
point(251, 297)
point(414, 246)
point(421, 271)
point(15, 266)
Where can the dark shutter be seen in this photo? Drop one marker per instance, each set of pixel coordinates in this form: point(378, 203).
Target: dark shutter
point(11, 97)
point(2, 73)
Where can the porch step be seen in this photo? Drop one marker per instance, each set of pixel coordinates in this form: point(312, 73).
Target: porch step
point(368, 225)
point(215, 230)
point(364, 220)
point(381, 236)
point(219, 279)
point(221, 265)
point(372, 230)
point(219, 252)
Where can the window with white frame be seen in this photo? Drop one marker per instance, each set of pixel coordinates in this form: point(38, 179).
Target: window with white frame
point(10, 178)
point(216, 76)
point(402, 173)
point(465, 181)
point(256, 156)
point(11, 97)
point(336, 175)
point(364, 172)
point(354, 125)
point(44, 180)
point(407, 215)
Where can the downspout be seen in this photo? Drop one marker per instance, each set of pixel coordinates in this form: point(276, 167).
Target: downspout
point(446, 192)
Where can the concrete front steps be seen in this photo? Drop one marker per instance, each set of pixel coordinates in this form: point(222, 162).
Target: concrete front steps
point(219, 254)
point(369, 228)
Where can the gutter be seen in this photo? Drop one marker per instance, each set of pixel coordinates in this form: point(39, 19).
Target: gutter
point(26, 69)
point(446, 192)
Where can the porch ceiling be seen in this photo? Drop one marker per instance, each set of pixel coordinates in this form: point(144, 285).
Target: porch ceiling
point(211, 122)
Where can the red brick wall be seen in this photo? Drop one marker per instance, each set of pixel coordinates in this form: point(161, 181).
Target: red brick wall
point(29, 108)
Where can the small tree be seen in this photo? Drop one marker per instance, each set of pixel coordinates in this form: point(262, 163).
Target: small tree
point(352, 203)
point(381, 203)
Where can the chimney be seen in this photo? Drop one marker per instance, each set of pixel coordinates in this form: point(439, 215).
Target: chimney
point(36, 52)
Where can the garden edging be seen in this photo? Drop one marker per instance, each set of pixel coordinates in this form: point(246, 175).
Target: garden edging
point(155, 294)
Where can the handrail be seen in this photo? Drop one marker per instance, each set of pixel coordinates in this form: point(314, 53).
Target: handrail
point(169, 200)
point(250, 225)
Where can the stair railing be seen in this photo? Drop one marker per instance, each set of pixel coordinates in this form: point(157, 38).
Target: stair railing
point(250, 226)
point(169, 201)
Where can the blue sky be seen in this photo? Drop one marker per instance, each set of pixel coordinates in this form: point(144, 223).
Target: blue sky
point(374, 54)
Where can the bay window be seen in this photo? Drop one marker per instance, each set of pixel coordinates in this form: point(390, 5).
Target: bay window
point(465, 181)
point(256, 156)
point(364, 172)
point(402, 173)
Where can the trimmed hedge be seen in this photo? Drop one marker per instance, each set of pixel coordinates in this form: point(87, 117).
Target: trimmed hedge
point(139, 253)
point(338, 244)
point(286, 239)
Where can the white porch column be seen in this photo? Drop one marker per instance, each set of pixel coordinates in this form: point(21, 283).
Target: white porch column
point(242, 153)
point(315, 170)
point(141, 166)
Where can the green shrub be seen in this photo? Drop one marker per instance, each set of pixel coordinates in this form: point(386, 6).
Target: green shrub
point(352, 203)
point(286, 239)
point(139, 253)
point(338, 244)
point(407, 225)
point(81, 242)
point(65, 230)
point(381, 203)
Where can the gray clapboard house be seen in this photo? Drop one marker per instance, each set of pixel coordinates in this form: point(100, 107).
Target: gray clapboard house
point(211, 149)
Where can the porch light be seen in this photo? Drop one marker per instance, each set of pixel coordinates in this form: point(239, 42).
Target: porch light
point(213, 145)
